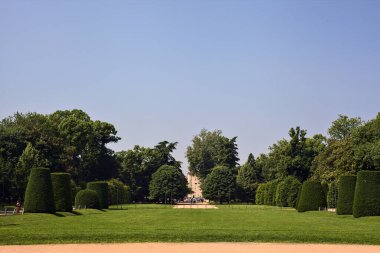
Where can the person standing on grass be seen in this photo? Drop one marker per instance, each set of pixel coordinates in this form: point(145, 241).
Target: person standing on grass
point(18, 206)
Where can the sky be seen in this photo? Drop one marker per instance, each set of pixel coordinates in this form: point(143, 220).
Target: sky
point(163, 70)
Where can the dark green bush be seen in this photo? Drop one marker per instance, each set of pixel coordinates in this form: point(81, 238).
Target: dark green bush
point(346, 194)
point(62, 191)
point(102, 189)
point(312, 197)
point(332, 195)
point(87, 199)
point(367, 194)
point(287, 190)
point(39, 197)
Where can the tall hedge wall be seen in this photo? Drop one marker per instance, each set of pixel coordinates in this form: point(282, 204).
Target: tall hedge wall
point(87, 199)
point(312, 197)
point(260, 192)
point(62, 191)
point(39, 197)
point(102, 189)
point(367, 194)
point(287, 190)
point(346, 194)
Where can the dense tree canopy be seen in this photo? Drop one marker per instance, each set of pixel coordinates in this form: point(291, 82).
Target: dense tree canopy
point(64, 141)
point(248, 178)
point(138, 165)
point(211, 149)
point(219, 185)
point(168, 183)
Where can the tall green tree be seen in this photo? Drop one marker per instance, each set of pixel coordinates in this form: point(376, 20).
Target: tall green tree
point(248, 179)
point(30, 158)
point(138, 165)
point(211, 149)
point(168, 183)
point(219, 185)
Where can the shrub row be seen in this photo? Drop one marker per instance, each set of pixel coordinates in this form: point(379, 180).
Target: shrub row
point(280, 193)
point(346, 193)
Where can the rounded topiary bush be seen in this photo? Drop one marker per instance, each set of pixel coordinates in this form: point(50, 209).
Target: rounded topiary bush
point(287, 190)
point(39, 197)
point(62, 191)
point(102, 189)
point(312, 197)
point(87, 199)
point(270, 192)
point(367, 194)
point(346, 194)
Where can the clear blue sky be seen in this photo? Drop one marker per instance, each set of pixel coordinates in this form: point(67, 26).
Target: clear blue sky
point(162, 70)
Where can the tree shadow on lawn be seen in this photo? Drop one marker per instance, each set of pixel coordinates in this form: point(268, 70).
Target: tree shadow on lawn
point(65, 214)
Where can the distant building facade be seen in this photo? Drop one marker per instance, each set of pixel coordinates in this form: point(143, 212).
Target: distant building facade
point(194, 184)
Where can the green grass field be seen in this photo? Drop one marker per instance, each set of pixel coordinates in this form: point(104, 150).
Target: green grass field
point(155, 223)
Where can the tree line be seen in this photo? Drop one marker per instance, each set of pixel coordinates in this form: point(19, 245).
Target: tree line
point(70, 141)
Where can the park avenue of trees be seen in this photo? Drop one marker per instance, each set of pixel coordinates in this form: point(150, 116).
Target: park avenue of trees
point(70, 141)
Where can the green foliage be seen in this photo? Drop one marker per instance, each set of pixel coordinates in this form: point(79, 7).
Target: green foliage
point(39, 197)
point(354, 147)
point(346, 193)
point(65, 141)
point(367, 194)
point(343, 127)
point(211, 149)
point(101, 188)
point(270, 193)
point(30, 158)
point(292, 157)
point(87, 199)
point(248, 178)
point(138, 165)
point(168, 182)
point(260, 194)
point(219, 185)
point(62, 191)
point(287, 190)
point(118, 192)
point(312, 197)
point(332, 195)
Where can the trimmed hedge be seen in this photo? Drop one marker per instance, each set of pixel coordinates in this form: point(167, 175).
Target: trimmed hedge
point(39, 197)
point(87, 199)
point(367, 194)
point(102, 189)
point(287, 190)
point(312, 197)
point(62, 191)
point(260, 192)
point(346, 194)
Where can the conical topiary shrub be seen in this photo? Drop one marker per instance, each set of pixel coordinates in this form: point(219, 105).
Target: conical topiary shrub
point(312, 197)
point(346, 193)
point(39, 197)
point(101, 189)
point(87, 199)
point(62, 191)
point(367, 194)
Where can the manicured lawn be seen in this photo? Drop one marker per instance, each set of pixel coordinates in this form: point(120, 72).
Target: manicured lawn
point(153, 223)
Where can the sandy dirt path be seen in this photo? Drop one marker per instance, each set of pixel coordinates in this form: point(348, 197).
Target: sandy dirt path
point(190, 248)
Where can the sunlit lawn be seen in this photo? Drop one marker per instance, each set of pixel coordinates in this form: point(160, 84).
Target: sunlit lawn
point(153, 223)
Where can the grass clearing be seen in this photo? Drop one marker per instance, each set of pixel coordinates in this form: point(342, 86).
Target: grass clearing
point(160, 223)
